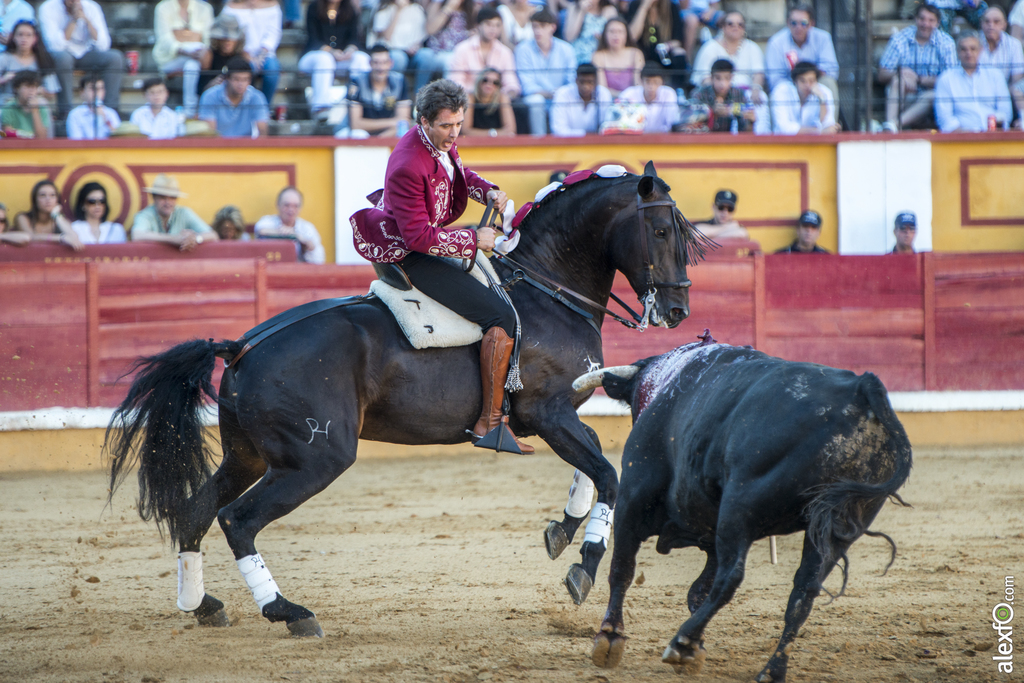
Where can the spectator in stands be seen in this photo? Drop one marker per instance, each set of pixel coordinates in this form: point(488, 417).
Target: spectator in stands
point(91, 212)
point(580, 108)
point(332, 46)
point(482, 50)
point(617, 59)
point(966, 97)
point(182, 30)
point(92, 120)
point(516, 20)
point(165, 221)
point(155, 119)
point(400, 25)
point(449, 22)
point(584, 24)
point(75, 33)
point(226, 41)
point(489, 111)
point(657, 28)
point(956, 13)
point(999, 49)
point(905, 230)
point(801, 41)
point(808, 230)
point(287, 225)
point(25, 51)
point(662, 103)
point(28, 114)
point(19, 239)
point(229, 224)
point(723, 223)
point(912, 62)
point(544, 64)
point(379, 102)
point(700, 13)
point(729, 105)
point(13, 12)
point(260, 21)
point(45, 222)
point(235, 108)
point(746, 57)
point(803, 105)
point(1016, 20)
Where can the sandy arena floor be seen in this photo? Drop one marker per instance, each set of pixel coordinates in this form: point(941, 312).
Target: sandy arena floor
point(434, 570)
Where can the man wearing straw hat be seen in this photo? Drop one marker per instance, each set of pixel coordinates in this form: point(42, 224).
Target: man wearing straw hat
point(165, 221)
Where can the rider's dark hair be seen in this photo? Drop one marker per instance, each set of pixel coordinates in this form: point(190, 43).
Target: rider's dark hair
point(435, 97)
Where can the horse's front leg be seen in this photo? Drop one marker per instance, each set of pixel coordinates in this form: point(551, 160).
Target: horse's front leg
point(578, 445)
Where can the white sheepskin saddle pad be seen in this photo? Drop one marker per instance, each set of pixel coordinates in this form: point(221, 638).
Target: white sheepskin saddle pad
point(428, 324)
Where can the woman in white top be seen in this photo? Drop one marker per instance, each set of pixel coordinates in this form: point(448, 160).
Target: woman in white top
point(515, 21)
point(401, 25)
point(91, 211)
point(732, 44)
point(182, 30)
point(261, 22)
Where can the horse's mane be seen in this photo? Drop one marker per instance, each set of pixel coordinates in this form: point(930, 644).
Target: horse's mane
point(695, 243)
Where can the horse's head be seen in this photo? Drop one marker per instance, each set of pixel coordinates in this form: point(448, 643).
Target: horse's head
point(655, 244)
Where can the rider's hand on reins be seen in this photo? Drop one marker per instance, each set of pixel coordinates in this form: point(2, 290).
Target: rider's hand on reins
point(500, 200)
point(485, 239)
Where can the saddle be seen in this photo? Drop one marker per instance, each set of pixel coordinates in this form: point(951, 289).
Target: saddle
point(425, 322)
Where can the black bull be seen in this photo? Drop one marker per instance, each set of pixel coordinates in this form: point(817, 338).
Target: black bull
point(730, 445)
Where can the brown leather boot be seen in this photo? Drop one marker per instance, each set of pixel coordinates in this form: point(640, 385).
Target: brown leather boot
point(495, 353)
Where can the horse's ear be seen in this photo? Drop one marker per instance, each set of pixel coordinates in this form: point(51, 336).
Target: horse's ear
point(645, 188)
point(649, 170)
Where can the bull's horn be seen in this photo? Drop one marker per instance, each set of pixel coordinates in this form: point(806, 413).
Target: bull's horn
point(592, 380)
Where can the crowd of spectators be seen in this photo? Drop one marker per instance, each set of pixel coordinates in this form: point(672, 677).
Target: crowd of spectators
point(653, 71)
point(165, 220)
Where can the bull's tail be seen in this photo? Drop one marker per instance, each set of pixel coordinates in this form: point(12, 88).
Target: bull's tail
point(841, 512)
point(159, 425)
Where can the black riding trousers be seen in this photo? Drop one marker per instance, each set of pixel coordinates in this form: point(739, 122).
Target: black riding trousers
point(459, 291)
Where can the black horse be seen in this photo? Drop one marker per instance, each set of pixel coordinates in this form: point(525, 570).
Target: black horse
point(293, 408)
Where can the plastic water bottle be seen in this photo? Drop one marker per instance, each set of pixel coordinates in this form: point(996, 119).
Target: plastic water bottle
point(403, 128)
point(179, 112)
point(734, 125)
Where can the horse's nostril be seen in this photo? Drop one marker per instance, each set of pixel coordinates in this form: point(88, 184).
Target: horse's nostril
point(680, 313)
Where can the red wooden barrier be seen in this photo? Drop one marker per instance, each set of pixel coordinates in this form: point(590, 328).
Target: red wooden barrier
point(48, 252)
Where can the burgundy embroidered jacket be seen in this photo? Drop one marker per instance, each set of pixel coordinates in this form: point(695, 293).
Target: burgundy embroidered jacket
point(417, 203)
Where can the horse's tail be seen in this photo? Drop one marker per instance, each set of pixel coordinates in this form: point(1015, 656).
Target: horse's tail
point(840, 512)
point(159, 425)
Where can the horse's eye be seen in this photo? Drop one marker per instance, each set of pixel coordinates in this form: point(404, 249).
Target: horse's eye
point(661, 232)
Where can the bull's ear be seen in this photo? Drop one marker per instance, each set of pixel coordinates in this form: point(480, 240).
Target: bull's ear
point(649, 170)
point(619, 388)
point(645, 188)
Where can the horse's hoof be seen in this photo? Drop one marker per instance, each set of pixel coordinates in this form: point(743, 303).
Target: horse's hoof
point(608, 648)
point(555, 539)
point(579, 583)
point(306, 628)
point(764, 677)
point(211, 613)
point(685, 656)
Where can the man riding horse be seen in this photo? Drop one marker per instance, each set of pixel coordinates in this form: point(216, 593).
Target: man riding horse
point(425, 190)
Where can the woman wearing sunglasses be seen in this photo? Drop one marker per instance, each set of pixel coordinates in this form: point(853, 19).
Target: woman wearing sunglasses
point(732, 44)
point(91, 211)
point(490, 110)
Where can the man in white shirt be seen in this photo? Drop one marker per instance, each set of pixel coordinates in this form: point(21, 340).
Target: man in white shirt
point(802, 41)
point(999, 49)
point(967, 96)
point(91, 120)
point(76, 34)
point(661, 101)
point(287, 225)
point(154, 118)
point(803, 106)
point(580, 108)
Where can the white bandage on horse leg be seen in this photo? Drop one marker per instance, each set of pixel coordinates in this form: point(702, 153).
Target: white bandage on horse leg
point(581, 495)
point(258, 579)
point(599, 528)
point(190, 581)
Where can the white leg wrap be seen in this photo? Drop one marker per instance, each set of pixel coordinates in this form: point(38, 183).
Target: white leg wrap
point(599, 528)
point(581, 495)
point(190, 581)
point(258, 579)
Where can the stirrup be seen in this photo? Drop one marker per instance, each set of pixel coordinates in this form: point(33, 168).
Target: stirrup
point(500, 439)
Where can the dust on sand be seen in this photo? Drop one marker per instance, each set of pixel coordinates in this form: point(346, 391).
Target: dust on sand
point(434, 570)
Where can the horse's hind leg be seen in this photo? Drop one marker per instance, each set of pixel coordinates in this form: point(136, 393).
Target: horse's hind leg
point(304, 471)
point(239, 469)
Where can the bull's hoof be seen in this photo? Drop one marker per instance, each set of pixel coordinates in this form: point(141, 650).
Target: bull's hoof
point(608, 647)
point(211, 613)
point(579, 583)
point(555, 539)
point(306, 628)
point(685, 656)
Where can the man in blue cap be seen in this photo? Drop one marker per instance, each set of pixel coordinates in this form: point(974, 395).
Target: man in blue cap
point(808, 230)
point(905, 230)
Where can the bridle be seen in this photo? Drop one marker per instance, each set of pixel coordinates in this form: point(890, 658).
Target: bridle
point(651, 286)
